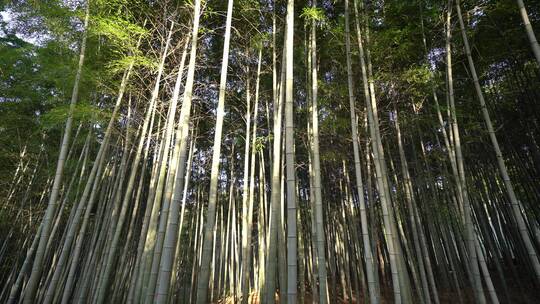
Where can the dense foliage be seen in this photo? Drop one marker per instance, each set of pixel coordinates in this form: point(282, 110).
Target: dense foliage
point(387, 174)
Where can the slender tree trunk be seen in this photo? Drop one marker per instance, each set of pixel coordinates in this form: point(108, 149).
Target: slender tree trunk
point(275, 213)
point(37, 265)
point(246, 215)
point(319, 224)
point(528, 28)
point(372, 283)
point(247, 255)
point(179, 158)
point(469, 224)
point(516, 205)
point(290, 164)
point(204, 273)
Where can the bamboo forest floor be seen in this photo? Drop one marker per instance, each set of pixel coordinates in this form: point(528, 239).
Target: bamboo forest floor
point(516, 295)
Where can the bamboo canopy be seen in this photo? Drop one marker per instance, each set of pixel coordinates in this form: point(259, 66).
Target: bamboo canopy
point(270, 151)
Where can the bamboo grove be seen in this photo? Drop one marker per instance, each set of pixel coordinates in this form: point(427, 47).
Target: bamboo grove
point(269, 151)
